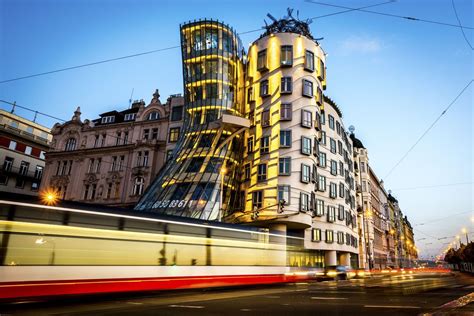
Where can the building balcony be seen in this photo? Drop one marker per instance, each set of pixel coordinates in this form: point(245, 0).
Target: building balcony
point(24, 134)
point(19, 172)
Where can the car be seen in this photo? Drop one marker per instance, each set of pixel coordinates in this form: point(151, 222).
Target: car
point(339, 272)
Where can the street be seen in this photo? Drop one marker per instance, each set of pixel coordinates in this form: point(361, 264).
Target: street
point(397, 294)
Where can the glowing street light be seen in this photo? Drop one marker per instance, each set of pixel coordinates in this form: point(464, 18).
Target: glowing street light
point(464, 231)
point(49, 197)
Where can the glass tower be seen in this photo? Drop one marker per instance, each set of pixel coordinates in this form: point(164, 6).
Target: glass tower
point(201, 180)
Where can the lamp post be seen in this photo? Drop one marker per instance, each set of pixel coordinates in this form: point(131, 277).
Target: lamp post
point(221, 206)
point(459, 239)
point(464, 230)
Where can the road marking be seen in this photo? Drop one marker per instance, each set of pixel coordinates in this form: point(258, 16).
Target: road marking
point(134, 303)
point(272, 296)
point(328, 298)
point(391, 306)
point(187, 306)
point(302, 290)
point(455, 286)
point(245, 310)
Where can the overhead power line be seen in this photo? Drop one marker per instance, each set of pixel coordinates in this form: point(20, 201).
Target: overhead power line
point(31, 110)
point(427, 130)
point(462, 28)
point(391, 15)
point(353, 9)
point(433, 186)
point(161, 49)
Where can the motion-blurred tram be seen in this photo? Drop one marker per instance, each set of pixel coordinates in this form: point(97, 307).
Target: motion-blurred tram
point(51, 250)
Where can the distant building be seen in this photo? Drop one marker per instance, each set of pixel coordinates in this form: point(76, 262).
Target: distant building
point(112, 159)
point(23, 145)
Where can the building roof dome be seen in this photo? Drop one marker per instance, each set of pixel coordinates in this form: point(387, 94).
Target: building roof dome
point(356, 142)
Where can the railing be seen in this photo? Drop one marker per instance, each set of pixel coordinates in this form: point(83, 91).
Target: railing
point(24, 133)
point(17, 171)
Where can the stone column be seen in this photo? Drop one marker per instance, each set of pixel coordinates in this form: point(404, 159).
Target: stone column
point(330, 258)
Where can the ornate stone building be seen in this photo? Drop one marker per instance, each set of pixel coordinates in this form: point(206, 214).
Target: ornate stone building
point(112, 159)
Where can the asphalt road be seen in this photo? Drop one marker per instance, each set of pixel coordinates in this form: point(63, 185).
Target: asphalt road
point(417, 294)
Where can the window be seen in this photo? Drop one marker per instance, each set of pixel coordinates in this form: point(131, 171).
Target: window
point(332, 190)
point(307, 88)
point(339, 147)
point(305, 173)
point(247, 172)
point(121, 163)
point(262, 172)
point(331, 214)
point(306, 118)
point(319, 96)
point(309, 60)
point(250, 145)
point(331, 121)
point(211, 115)
point(319, 208)
point(24, 166)
point(169, 154)
point(257, 199)
point(262, 60)
point(42, 155)
point(284, 166)
point(284, 194)
point(8, 164)
point(177, 113)
point(3, 179)
point(285, 139)
point(364, 186)
point(362, 167)
point(153, 116)
point(206, 140)
point(321, 70)
point(348, 239)
point(286, 85)
point(340, 238)
point(340, 213)
point(264, 91)
point(154, 133)
point(70, 144)
point(322, 160)
point(286, 57)
point(265, 118)
point(341, 168)
point(305, 145)
point(28, 150)
point(333, 167)
point(108, 119)
point(323, 137)
point(250, 96)
point(286, 112)
point(174, 134)
point(145, 159)
point(338, 127)
point(316, 147)
point(130, 116)
point(138, 186)
point(146, 133)
point(332, 145)
point(97, 165)
point(195, 164)
point(329, 236)
point(322, 183)
point(14, 124)
point(316, 234)
point(102, 144)
point(341, 190)
point(265, 145)
point(304, 202)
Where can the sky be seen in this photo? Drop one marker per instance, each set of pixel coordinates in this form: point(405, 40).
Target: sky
point(391, 77)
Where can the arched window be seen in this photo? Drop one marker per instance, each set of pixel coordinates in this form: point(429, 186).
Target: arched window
point(138, 186)
point(153, 116)
point(70, 144)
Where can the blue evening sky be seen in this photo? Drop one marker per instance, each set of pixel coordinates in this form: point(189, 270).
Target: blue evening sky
point(391, 77)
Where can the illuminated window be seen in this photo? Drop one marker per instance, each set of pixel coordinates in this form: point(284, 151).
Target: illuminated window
point(284, 166)
point(316, 234)
point(304, 202)
point(340, 213)
point(334, 167)
point(286, 56)
point(331, 121)
point(264, 90)
point(286, 111)
point(319, 208)
point(70, 144)
point(307, 88)
point(174, 134)
point(305, 173)
point(265, 145)
point(331, 214)
point(332, 190)
point(286, 85)
point(177, 113)
point(210, 66)
point(340, 238)
point(309, 60)
point(262, 172)
point(262, 60)
point(322, 160)
point(285, 139)
point(257, 199)
point(284, 194)
point(306, 118)
point(332, 145)
point(265, 118)
point(247, 170)
point(305, 145)
point(250, 145)
point(322, 183)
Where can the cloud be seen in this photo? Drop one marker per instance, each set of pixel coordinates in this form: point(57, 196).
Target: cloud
point(360, 45)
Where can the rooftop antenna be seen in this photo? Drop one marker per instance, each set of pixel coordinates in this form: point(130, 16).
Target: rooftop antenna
point(130, 100)
point(352, 129)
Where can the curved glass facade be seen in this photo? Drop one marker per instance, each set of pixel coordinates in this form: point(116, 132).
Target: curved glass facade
point(201, 179)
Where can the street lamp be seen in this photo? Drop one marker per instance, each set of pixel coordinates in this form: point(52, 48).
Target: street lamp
point(49, 197)
point(221, 206)
point(459, 239)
